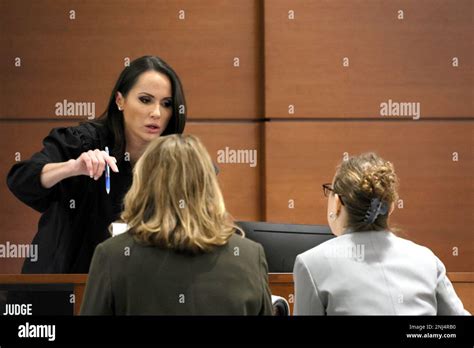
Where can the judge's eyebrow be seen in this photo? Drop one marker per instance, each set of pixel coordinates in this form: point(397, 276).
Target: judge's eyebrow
point(148, 94)
point(152, 96)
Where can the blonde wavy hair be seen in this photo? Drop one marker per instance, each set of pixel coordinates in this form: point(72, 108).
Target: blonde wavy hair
point(175, 201)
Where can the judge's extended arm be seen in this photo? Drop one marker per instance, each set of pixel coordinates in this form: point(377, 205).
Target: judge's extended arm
point(65, 153)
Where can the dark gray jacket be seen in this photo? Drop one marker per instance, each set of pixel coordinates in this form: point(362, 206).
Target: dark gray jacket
point(127, 278)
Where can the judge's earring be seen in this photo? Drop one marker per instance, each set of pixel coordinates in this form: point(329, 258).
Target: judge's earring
point(332, 216)
point(120, 108)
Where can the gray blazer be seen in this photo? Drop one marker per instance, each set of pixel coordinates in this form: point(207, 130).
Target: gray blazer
point(365, 273)
point(127, 278)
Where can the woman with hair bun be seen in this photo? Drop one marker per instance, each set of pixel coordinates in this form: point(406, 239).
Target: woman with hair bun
point(367, 269)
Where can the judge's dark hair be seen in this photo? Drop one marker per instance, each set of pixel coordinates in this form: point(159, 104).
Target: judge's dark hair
point(112, 118)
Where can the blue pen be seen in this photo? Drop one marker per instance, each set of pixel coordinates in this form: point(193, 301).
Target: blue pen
point(107, 173)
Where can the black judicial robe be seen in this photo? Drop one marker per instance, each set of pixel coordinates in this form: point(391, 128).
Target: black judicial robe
point(77, 211)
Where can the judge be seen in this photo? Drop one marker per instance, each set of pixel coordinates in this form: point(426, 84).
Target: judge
point(65, 181)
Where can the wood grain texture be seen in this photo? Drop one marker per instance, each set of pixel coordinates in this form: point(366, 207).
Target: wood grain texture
point(80, 60)
point(240, 183)
point(403, 60)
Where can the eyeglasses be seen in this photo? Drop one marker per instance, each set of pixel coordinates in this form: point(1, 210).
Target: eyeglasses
point(327, 188)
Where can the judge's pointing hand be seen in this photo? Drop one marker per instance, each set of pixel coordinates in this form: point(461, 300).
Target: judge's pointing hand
point(92, 163)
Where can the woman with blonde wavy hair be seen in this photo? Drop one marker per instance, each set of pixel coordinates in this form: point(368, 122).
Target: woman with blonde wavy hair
point(181, 254)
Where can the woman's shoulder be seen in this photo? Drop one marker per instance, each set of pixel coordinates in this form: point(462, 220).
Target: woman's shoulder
point(237, 240)
point(119, 241)
point(410, 246)
point(385, 240)
point(93, 134)
point(88, 135)
point(246, 248)
point(319, 252)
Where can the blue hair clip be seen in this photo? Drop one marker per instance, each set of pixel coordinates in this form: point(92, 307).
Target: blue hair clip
point(377, 207)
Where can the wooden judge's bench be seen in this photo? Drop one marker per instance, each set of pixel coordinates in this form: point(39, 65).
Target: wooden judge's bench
point(281, 284)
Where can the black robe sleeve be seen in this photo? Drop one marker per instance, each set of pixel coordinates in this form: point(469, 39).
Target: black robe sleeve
point(23, 180)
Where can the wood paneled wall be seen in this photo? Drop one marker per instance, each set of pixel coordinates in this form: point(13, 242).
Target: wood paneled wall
point(301, 82)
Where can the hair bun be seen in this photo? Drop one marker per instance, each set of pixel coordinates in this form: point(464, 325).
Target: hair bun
point(369, 187)
point(379, 180)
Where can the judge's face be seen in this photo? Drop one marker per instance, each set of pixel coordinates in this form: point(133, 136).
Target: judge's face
point(147, 108)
